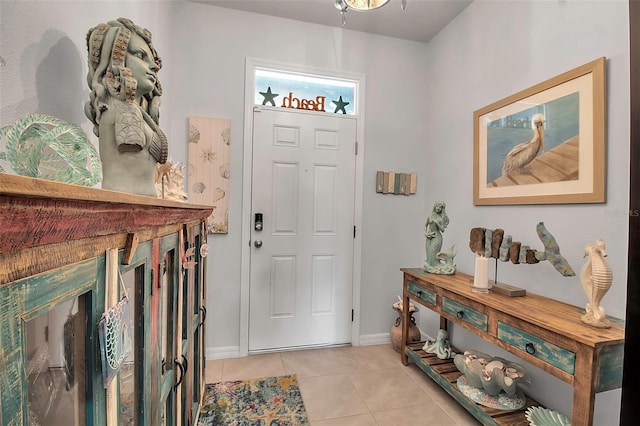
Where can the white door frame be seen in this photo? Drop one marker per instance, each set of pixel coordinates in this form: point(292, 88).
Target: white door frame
point(249, 89)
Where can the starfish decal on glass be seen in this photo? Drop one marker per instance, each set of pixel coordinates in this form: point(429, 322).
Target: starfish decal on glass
point(268, 97)
point(340, 104)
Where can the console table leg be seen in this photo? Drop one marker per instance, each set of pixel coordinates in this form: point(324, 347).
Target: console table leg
point(584, 387)
point(405, 326)
point(443, 323)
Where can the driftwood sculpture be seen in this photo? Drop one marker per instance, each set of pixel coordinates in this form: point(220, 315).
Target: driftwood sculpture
point(493, 243)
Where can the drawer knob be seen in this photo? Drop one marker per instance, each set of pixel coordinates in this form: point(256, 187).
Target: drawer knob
point(530, 348)
point(420, 293)
point(460, 314)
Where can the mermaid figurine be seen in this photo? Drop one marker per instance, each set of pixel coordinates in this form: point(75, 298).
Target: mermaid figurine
point(438, 262)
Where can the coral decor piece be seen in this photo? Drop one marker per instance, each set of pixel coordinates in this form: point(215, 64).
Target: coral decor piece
point(596, 278)
point(170, 181)
point(493, 243)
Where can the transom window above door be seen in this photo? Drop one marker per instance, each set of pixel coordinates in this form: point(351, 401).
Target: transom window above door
point(304, 91)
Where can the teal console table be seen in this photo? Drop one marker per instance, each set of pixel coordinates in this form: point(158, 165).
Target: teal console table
point(544, 332)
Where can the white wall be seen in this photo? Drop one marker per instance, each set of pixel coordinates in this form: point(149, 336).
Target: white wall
point(203, 49)
point(213, 54)
point(494, 49)
point(419, 105)
point(44, 54)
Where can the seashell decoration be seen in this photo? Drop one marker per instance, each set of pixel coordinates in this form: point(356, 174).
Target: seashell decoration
point(194, 134)
point(209, 168)
point(218, 194)
point(224, 170)
point(492, 374)
point(199, 187)
point(539, 416)
point(226, 135)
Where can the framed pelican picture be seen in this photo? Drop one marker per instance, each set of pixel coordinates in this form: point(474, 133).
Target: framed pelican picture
point(545, 144)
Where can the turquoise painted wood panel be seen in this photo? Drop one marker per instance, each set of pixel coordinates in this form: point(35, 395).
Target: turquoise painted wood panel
point(535, 346)
point(611, 362)
point(96, 412)
point(141, 264)
point(465, 313)
point(26, 299)
point(171, 259)
point(424, 294)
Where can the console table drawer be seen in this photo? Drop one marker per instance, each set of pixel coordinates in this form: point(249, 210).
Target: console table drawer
point(541, 349)
point(465, 313)
point(428, 296)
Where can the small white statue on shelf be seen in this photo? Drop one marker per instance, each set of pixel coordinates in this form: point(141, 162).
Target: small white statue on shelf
point(440, 346)
point(596, 278)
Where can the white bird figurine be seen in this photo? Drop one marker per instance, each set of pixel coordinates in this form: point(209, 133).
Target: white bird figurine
point(524, 153)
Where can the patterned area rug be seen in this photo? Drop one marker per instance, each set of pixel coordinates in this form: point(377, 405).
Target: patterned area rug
point(268, 401)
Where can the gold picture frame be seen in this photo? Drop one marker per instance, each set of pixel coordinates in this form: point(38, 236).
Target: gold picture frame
point(571, 130)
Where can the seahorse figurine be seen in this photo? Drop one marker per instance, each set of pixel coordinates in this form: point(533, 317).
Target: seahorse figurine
point(596, 280)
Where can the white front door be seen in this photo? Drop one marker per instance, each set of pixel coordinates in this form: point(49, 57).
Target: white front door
point(303, 184)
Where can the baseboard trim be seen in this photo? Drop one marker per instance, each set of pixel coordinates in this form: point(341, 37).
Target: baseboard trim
point(375, 339)
point(222, 352)
point(366, 340)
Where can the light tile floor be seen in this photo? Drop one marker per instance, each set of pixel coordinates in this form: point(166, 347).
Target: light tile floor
point(352, 386)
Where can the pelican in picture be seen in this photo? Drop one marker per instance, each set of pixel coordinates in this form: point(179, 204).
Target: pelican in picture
point(524, 153)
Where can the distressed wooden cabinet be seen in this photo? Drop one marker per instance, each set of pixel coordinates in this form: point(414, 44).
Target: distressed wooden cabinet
point(544, 332)
point(63, 250)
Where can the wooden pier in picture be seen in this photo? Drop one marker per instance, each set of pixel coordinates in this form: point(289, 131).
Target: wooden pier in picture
point(556, 165)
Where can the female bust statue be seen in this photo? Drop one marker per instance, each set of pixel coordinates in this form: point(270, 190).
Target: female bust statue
point(124, 105)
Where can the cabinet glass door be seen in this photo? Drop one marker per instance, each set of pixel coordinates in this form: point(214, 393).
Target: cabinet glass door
point(56, 364)
point(45, 367)
point(172, 365)
point(200, 313)
point(130, 377)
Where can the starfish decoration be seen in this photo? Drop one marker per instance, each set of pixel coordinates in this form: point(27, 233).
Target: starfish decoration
point(340, 104)
point(225, 388)
point(285, 382)
point(207, 154)
point(268, 97)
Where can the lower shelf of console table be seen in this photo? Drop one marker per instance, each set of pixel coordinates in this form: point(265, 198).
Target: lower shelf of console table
point(544, 332)
point(445, 374)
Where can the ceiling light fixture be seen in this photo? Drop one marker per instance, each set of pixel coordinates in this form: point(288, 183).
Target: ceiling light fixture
point(362, 6)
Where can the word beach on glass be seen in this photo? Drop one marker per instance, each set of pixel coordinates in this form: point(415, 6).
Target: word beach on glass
point(309, 104)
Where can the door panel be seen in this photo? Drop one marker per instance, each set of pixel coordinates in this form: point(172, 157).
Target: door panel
point(303, 183)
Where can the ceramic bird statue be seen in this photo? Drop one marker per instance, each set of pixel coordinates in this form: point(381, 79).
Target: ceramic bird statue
point(524, 153)
point(596, 278)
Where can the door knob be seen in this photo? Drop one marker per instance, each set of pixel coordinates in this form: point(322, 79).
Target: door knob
point(257, 243)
